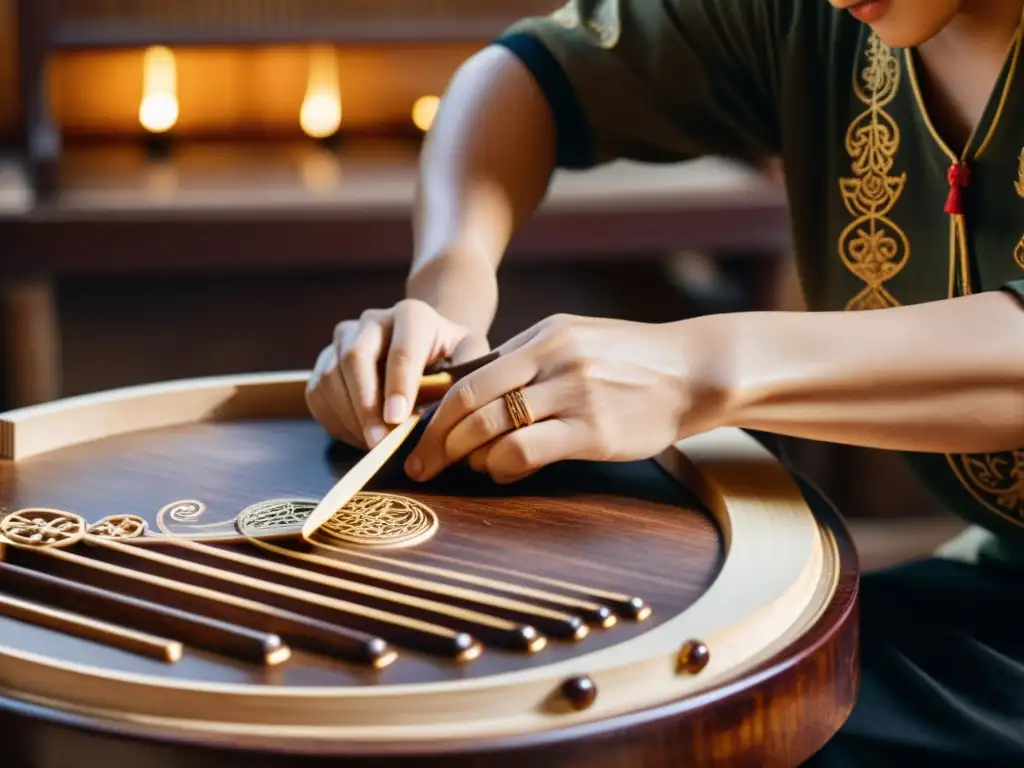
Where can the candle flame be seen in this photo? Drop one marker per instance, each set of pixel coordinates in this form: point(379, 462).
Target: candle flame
point(320, 115)
point(158, 110)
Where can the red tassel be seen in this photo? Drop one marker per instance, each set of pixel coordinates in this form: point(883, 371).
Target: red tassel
point(959, 178)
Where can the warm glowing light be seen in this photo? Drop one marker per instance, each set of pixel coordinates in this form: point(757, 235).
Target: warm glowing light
point(424, 111)
point(320, 115)
point(158, 110)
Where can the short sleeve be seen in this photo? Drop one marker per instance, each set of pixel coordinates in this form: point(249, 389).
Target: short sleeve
point(658, 80)
point(1016, 288)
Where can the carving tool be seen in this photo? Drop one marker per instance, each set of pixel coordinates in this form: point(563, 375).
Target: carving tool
point(433, 386)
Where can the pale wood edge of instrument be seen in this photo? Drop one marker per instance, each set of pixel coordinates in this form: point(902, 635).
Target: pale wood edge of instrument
point(36, 429)
point(778, 576)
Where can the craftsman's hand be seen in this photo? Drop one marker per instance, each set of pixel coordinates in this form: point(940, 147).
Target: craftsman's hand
point(345, 393)
point(598, 389)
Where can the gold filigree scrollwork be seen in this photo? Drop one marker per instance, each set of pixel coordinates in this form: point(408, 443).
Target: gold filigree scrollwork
point(381, 520)
point(873, 247)
point(184, 511)
point(42, 528)
point(367, 520)
point(274, 517)
point(188, 513)
point(119, 527)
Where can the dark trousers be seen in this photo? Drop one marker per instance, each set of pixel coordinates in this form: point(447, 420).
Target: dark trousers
point(942, 670)
point(942, 665)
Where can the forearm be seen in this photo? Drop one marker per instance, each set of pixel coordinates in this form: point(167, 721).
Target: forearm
point(484, 169)
point(945, 377)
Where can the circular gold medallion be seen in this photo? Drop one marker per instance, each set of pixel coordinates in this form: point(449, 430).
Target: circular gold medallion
point(42, 528)
point(381, 520)
point(119, 527)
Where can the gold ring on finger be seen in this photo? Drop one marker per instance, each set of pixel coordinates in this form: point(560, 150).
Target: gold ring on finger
point(518, 408)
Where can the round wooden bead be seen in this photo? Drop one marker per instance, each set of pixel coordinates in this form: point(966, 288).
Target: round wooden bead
point(579, 691)
point(693, 656)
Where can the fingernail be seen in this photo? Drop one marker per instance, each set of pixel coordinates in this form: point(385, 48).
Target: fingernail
point(414, 468)
point(396, 408)
point(375, 434)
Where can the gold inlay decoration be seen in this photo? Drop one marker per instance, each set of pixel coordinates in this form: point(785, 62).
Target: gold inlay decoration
point(381, 520)
point(873, 247)
point(367, 520)
point(42, 528)
point(274, 517)
point(183, 511)
point(119, 527)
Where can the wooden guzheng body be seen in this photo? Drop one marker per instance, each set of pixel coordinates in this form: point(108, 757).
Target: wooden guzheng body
point(157, 606)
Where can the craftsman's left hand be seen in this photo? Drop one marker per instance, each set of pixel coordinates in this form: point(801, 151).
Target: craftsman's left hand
point(598, 389)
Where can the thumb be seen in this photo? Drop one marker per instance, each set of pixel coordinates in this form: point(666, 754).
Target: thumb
point(470, 347)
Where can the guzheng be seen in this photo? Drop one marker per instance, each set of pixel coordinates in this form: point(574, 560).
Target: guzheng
point(158, 605)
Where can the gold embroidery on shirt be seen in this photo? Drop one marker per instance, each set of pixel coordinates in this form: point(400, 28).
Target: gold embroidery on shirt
point(873, 247)
point(995, 480)
point(602, 19)
point(567, 16)
point(1018, 252)
point(1019, 186)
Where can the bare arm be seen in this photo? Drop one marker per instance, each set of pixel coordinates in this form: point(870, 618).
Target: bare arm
point(944, 377)
point(484, 169)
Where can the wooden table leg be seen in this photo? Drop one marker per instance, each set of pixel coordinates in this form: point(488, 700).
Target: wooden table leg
point(32, 342)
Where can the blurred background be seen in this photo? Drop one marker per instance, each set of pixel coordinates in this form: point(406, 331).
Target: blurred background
point(200, 187)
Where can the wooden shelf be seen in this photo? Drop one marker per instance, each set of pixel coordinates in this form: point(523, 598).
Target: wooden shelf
point(102, 24)
point(255, 206)
point(99, 35)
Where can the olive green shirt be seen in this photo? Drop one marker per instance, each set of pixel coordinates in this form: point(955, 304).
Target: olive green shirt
point(868, 177)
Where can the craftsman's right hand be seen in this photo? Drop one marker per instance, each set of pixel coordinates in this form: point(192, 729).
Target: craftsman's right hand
point(345, 392)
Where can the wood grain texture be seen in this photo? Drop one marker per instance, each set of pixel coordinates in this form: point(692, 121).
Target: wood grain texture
point(779, 678)
point(648, 538)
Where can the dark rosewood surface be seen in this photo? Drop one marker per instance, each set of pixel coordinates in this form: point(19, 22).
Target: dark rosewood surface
point(622, 527)
point(625, 528)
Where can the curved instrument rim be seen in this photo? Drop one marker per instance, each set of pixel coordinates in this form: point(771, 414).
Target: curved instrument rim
point(811, 605)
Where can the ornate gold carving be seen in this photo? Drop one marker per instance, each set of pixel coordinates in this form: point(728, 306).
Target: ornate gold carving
point(368, 520)
point(872, 246)
point(184, 511)
point(381, 520)
point(42, 528)
point(273, 517)
point(119, 527)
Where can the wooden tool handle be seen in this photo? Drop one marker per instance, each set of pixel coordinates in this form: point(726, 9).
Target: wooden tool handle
point(439, 378)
